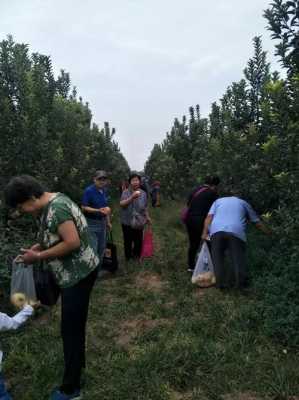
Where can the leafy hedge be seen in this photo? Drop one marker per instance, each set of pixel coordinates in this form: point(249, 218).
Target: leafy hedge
point(251, 140)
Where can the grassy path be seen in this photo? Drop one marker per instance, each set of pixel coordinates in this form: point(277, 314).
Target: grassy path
point(153, 336)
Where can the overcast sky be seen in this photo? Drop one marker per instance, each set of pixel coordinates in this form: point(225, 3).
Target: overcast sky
point(141, 63)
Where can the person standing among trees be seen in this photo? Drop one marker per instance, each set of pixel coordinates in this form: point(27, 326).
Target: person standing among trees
point(96, 210)
point(155, 194)
point(145, 186)
point(134, 217)
point(226, 224)
point(199, 202)
point(66, 247)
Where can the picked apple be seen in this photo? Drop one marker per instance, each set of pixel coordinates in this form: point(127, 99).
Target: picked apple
point(105, 210)
point(19, 300)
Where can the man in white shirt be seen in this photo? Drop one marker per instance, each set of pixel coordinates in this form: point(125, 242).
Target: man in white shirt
point(11, 323)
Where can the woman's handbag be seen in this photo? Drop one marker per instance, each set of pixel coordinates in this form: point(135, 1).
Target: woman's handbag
point(47, 290)
point(185, 210)
point(110, 261)
point(138, 220)
point(147, 250)
point(46, 287)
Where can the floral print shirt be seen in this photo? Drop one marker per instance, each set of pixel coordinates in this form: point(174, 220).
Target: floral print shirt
point(75, 266)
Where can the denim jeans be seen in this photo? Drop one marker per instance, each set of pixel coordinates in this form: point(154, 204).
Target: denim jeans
point(98, 229)
point(3, 393)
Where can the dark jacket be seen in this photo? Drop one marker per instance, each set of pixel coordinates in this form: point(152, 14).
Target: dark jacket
point(200, 205)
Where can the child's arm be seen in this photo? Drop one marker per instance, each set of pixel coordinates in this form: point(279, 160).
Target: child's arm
point(9, 323)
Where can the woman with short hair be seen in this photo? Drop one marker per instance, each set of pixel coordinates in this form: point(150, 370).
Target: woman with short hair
point(134, 217)
point(65, 246)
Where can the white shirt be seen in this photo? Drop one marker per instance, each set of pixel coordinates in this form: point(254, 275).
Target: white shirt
point(11, 323)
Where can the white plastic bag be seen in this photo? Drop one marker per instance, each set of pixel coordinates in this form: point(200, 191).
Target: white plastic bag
point(22, 280)
point(203, 274)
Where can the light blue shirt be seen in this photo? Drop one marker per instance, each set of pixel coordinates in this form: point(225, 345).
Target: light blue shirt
point(231, 214)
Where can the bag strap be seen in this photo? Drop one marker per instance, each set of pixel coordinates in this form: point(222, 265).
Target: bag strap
point(148, 227)
point(43, 225)
point(46, 211)
point(110, 236)
point(200, 190)
point(42, 222)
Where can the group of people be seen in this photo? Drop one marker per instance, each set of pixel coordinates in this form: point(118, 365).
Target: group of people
point(134, 213)
point(221, 222)
point(71, 244)
point(72, 240)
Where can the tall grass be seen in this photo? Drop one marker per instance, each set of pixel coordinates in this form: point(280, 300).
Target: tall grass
point(154, 336)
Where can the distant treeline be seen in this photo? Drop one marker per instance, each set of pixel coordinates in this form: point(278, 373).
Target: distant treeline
point(45, 128)
point(46, 131)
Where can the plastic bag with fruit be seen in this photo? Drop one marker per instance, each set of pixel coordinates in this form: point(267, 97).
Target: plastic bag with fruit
point(22, 286)
point(203, 274)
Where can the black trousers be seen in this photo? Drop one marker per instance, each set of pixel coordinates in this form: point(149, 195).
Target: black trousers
point(154, 199)
point(132, 242)
point(74, 312)
point(194, 227)
point(234, 275)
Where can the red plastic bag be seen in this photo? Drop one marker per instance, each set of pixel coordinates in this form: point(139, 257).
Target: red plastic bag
point(147, 244)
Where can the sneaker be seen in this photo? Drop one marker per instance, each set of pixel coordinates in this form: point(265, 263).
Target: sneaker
point(58, 395)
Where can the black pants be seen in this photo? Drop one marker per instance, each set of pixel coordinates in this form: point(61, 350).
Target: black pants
point(74, 312)
point(154, 199)
point(132, 241)
point(194, 227)
point(235, 275)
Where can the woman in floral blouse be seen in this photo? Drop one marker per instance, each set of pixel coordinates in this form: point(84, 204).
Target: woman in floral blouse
point(66, 247)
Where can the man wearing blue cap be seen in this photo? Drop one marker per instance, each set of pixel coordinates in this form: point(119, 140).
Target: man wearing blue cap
point(96, 210)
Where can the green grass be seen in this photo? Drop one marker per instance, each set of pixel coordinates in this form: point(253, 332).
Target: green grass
point(152, 335)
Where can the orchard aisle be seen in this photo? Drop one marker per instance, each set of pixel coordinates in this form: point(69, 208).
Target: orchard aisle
point(153, 336)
